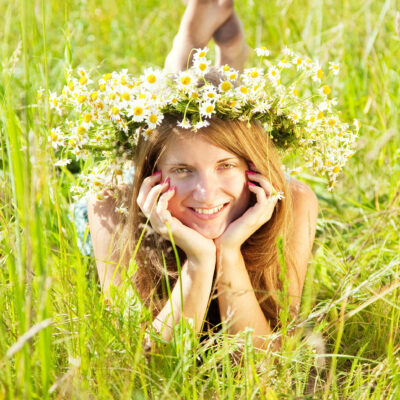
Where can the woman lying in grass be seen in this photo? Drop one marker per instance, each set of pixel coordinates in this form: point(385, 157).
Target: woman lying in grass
point(221, 192)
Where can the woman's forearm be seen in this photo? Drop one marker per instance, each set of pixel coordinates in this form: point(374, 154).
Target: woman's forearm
point(237, 301)
point(196, 283)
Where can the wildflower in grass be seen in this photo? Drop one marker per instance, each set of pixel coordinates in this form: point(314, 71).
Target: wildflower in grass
point(287, 51)
point(262, 51)
point(137, 110)
point(284, 63)
point(274, 74)
point(62, 163)
point(325, 90)
point(317, 73)
point(334, 67)
point(56, 137)
point(298, 61)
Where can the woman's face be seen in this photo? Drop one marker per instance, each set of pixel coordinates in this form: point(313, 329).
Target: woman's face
point(211, 184)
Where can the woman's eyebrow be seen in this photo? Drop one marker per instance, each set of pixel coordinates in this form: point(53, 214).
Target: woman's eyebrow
point(182, 164)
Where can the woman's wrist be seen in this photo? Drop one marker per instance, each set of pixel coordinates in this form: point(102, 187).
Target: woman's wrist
point(205, 256)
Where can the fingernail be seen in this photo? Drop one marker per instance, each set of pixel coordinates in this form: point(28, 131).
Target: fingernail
point(171, 188)
point(156, 173)
point(166, 181)
point(250, 172)
point(251, 184)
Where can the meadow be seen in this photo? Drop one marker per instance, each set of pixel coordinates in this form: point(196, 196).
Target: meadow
point(58, 337)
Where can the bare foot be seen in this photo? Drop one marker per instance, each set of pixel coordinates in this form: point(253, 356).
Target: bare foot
point(231, 47)
point(202, 18)
point(199, 22)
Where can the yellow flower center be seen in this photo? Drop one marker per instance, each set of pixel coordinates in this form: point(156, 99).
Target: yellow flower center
point(123, 80)
point(255, 74)
point(102, 87)
point(126, 96)
point(210, 95)
point(326, 89)
point(112, 96)
point(185, 80)
point(202, 66)
point(243, 89)
point(81, 129)
point(225, 86)
point(115, 110)
point(225, 68)
point(320, 73)
point(295, 92)
point(94, 96)
point(320, 115)
point(54, 137)
point(71, 86)
point(83, 80)
point(336, 169)
point(209, 109)
point(299, 61)
point(232, 103)
point(151, 78)
point(202, 54)
point(153, 118)
point(87, 117)
point(107, 77)
point(232, 77)
point(195, 95)
point(138, 111)
point(81, 98)
point(174, 100)
point(331, 121)
point(312, 118)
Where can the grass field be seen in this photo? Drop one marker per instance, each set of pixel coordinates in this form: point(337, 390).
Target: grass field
point(58, 339)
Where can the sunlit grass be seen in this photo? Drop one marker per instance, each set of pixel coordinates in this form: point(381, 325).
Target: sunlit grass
point(58, 338)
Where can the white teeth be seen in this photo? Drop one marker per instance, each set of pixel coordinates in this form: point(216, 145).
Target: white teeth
point(208, 210)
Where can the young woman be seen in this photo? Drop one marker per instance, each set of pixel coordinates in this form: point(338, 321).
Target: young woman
point(215, 191)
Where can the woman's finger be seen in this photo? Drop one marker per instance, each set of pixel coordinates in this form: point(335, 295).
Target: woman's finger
point(152, 197)
point(264, 183)
point(162, 205)
point(147, 184)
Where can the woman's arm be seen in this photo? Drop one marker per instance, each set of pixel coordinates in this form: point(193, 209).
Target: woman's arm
point(103, 222)
point(196, 283)
point(237, 300)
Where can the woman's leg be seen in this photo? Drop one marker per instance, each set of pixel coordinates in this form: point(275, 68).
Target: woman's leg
point(231, 47)
point(203, 19)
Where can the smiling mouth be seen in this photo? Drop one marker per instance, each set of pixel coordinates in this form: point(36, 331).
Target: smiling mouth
point(209, 211)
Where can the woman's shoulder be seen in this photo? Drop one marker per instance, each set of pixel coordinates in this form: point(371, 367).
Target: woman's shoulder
point(303, 197)
point(102, 209)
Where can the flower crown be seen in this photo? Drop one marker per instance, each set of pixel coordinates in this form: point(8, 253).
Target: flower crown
point(288, 97)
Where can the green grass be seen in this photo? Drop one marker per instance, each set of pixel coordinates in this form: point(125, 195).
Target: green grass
point(57, 336)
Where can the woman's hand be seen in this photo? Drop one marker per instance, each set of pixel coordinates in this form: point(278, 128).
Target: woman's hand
point(256, 216)
point(153, 199)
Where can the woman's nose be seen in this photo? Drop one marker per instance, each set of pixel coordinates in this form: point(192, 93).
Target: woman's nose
point(205, 189)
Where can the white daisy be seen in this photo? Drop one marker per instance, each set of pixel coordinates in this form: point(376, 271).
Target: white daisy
point(262, 51)
point(334, 67)
point(207, 109)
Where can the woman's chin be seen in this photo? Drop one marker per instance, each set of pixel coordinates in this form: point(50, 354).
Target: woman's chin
point(210, 232)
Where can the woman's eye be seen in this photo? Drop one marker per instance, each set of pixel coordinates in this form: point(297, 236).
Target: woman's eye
point(227, 166)
point(181, 170)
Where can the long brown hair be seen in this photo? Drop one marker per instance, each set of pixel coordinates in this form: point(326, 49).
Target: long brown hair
point(154, 256)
